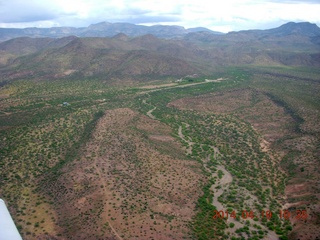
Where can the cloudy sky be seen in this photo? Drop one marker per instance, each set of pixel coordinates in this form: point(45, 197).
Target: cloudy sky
point(222, 15)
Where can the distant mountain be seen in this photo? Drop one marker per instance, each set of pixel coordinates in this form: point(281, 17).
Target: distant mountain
point(103, 29)
point(115, 57)
point(302, 28)
point(290, 37)
point(148, 56)
point(27, 45)
point(106, 29)
point(291, 28)
point(202, 29)
point(56, 32)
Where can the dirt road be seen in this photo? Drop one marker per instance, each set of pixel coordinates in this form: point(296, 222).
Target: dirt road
point(149, 113)
point(220, 186)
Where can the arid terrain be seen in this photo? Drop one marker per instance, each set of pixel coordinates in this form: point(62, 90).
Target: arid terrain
point(134, 189)
point(278, 136)
point(201, 137)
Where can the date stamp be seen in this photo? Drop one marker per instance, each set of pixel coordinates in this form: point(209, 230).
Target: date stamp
point(245, 214)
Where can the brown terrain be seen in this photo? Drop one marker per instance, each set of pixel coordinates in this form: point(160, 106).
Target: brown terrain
point(278, 137)
point(68, 175)
point(247, 104)
point(124, 186)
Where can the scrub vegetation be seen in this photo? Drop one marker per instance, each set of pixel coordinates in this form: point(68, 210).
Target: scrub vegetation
point(83, 159)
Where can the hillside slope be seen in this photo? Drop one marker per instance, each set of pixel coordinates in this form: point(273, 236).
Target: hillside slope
point(142, 57)
point(102, 29)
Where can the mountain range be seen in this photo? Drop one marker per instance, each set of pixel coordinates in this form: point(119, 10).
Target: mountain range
point(103, 29)
point(122, 50)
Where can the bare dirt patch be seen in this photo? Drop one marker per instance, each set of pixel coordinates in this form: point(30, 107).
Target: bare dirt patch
point(262, 113)
point(149, 113)
point(4, 96)
point(278, 137)
point(123, 187)
point(162, 138)
point(158, 86)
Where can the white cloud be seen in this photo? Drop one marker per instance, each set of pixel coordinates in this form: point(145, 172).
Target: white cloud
point(226, 15)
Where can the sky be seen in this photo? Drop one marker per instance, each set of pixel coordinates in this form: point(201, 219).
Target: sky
point(217, 15)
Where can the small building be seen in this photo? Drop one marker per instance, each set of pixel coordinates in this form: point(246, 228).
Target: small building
point(65, 104)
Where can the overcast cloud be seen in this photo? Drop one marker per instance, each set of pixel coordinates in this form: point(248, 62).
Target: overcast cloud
point(225, 15)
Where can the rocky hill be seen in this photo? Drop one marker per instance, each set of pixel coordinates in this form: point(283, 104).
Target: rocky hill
point(103, 29)
point(147, 56)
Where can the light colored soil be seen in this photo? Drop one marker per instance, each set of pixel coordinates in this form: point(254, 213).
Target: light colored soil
point(214, 80)
point(149, 113)
point(158, 86)
point(136, 191)
point(5, 113)
point(221, 185)
point(183, 86)
point(70, 71)
point(265, 116)
point(163, 138)
point(4, 95)
point(175, 85)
